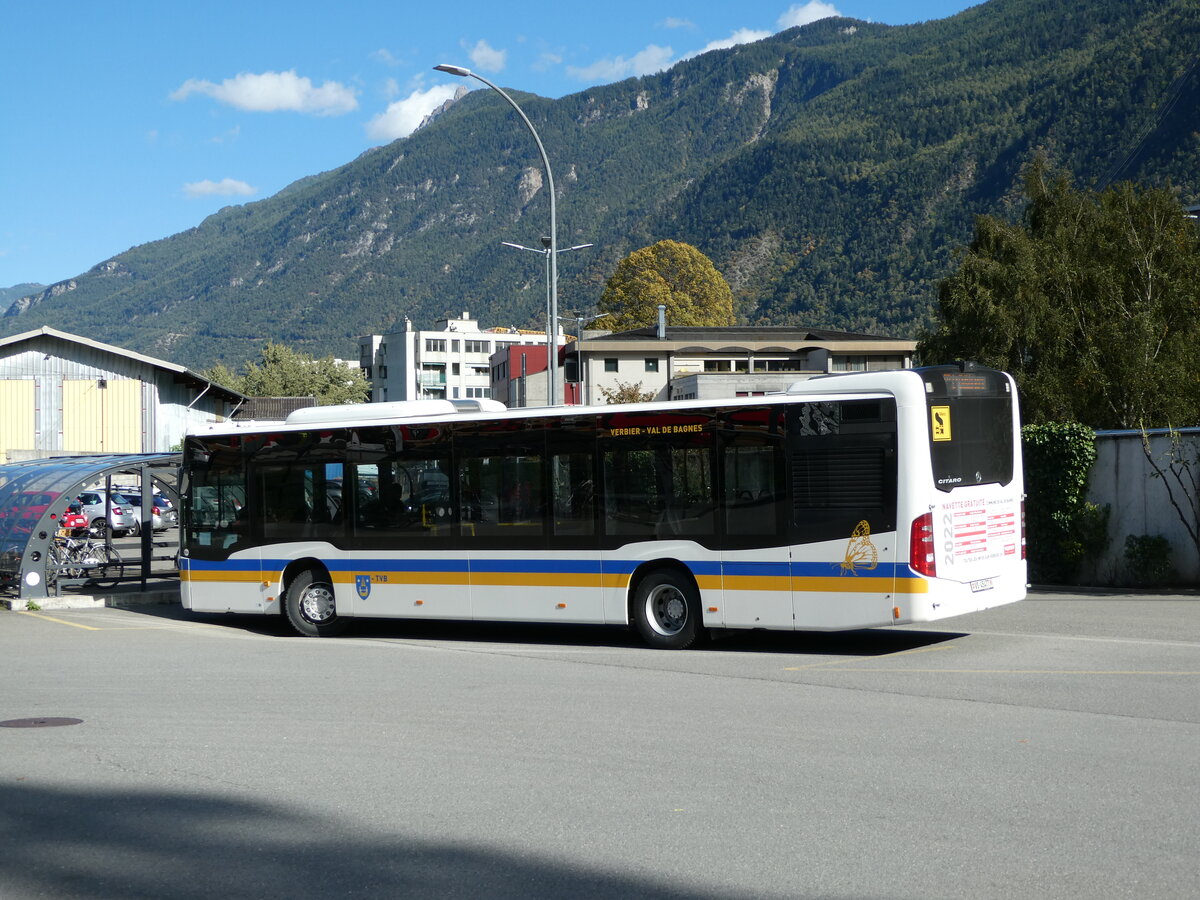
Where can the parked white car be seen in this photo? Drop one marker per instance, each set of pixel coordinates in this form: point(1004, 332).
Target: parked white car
point(113, 511)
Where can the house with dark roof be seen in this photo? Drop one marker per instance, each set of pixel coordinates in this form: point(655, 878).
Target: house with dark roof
point(62, 394)
point(686, 362)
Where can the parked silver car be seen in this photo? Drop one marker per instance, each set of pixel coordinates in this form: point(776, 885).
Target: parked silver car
point(164, 515)
point(113, 511)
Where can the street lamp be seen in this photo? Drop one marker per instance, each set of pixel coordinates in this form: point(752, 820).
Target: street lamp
point(552, 247)
point(551, 303)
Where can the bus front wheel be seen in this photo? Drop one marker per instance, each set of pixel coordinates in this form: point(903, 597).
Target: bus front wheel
point(311, 608)
point(666, 610)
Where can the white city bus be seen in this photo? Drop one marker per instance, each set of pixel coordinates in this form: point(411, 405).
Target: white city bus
point(849, 501)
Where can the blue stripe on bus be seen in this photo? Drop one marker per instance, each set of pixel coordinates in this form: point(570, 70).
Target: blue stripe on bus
point(225, 565)
point(761, 569)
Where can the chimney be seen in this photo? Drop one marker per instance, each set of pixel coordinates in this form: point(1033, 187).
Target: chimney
point(662, 321)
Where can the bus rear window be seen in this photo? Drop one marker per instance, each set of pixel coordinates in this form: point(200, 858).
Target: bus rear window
point(970, 427)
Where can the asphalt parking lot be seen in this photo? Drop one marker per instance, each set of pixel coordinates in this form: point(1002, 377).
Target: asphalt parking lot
point(1045, 749)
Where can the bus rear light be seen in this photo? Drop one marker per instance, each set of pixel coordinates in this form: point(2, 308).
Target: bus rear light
point(1022, 529)
point(922, 554)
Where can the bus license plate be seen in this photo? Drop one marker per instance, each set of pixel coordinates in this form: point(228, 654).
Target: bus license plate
point(983, 584)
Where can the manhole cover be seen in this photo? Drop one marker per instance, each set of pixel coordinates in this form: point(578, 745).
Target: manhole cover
point(47, 722)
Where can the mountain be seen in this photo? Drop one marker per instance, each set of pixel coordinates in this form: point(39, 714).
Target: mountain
point(17, 291)
point(829, 171)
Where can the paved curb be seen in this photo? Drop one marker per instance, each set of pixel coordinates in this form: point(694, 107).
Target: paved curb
point(117, 600)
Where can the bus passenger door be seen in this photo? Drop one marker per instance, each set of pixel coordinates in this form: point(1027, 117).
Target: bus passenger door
point(528, 521)
point(755, 556)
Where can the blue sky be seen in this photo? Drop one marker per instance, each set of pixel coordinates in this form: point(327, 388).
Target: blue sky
point(128, 121)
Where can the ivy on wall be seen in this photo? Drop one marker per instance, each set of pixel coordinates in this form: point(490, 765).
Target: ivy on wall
point(1062, 528)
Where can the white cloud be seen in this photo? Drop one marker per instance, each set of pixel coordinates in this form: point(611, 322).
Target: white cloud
point(673, 22)
point(647, 62)
point(741, 36)
point(226, 187)
point(273, 91)
point(401, 118)
point(385, 57)
point(806, 14)
point(487, 58)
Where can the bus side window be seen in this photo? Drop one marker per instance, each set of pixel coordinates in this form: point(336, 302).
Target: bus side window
point(501, 495)
point(752, 490)
point(574, 494)
point(690, 506)
point(299, 501)
point(403, 498)
point(633, 492)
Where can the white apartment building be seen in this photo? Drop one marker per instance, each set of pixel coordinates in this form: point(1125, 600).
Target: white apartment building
point(448, 363)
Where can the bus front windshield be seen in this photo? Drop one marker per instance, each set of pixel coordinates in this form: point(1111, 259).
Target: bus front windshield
point(215, 495)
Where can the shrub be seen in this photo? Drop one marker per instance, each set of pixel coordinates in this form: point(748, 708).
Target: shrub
point(1148, 560)
point(1062, 528)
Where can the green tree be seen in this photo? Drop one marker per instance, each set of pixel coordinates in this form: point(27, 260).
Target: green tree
point(284, 372)
point(223, 375)
point(671, 273)
point(626, 393)
point(1092, 302)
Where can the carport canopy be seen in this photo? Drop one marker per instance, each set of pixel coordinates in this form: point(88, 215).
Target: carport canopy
point(35, 493)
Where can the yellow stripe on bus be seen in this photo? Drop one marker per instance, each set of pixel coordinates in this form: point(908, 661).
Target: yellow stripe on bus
point(851, 584)
point(235, 577)
point(757, 583)
point(556, 579)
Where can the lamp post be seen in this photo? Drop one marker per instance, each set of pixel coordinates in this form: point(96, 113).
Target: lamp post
point(552, 248)
point(551, 303)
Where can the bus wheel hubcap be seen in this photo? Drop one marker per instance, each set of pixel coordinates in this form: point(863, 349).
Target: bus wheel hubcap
point(317, 605)
point(669, 610)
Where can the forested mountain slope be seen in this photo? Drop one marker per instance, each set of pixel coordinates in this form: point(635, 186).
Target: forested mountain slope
point(828, 171)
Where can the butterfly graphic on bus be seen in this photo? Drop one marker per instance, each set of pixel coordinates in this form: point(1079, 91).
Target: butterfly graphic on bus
point(860, 552)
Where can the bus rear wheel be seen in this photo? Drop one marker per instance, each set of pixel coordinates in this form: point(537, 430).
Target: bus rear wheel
point(666, 610)
point(311, 606)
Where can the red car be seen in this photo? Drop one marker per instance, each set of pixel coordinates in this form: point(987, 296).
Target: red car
point(73, 518)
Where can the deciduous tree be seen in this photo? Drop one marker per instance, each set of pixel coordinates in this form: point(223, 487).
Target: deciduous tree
point(284, 372)
point(671, 273)
point(626, 393)
point(1092, 302)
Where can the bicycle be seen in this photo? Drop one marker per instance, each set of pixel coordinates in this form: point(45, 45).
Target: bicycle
point(83, 556)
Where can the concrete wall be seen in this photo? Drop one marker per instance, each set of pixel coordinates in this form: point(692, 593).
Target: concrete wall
point(1122, 479)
